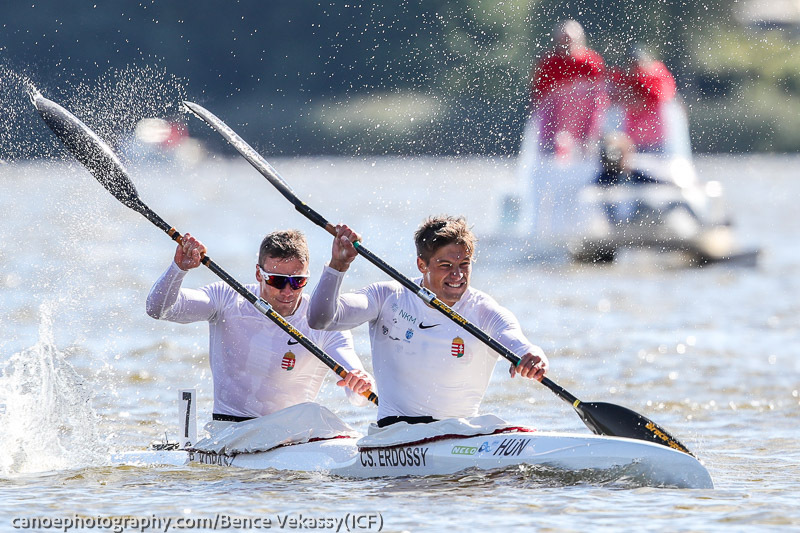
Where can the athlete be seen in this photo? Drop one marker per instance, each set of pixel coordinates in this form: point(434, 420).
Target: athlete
point(426, 366)
point(257, 368)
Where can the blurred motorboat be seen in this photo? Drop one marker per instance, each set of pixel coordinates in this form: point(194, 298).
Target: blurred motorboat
point(557, 211)
point(677, 213)
point(159, 140)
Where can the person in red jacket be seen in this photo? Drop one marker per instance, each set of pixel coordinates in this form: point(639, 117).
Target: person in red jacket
point(644, 88)
point(568, 91)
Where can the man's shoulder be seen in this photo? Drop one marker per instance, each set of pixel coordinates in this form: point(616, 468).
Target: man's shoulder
point(392, 295)
point(383, 288)
point(478, 298)
point(224, 293)
point(484, 309)
point(551, 61)
point(302, 308)
point(589, 57)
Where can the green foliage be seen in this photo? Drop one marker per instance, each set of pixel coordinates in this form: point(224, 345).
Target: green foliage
point(755, 89)
point(434, 76)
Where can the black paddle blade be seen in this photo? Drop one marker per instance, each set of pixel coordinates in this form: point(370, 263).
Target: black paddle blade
point(618, 421)
point(90, 150)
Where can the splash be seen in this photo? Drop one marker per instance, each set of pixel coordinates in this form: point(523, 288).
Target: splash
point(116, 101)
point(16, 121)
point(48, 421)
point(111, 104)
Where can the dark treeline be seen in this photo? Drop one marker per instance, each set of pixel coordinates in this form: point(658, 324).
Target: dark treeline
point(380, 77)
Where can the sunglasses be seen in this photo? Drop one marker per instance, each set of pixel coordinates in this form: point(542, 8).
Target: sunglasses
point(279, 281)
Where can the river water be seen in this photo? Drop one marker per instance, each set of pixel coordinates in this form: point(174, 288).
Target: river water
point(713, 354)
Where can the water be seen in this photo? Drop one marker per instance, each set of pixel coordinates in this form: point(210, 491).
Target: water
point(711, 354)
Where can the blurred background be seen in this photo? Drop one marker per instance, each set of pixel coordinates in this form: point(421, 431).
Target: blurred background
point(349, 77)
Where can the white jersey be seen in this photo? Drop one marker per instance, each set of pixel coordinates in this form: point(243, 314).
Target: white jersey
point(257, 368)
point(424, 363)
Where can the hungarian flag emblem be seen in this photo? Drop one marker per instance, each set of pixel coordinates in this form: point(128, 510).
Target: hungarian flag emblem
point(457, 348)
point(288, 361)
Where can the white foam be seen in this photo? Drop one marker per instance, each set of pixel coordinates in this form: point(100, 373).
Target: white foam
point(49, 422)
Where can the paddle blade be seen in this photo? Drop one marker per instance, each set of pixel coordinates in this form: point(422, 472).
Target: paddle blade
point(90, 150)
point(618, 421)
point(247, 151)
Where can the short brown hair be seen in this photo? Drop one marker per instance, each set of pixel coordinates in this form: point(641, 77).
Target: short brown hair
point(438, 231)
point(286, 244)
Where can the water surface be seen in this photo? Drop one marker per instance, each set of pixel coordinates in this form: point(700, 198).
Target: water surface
point(712, 354)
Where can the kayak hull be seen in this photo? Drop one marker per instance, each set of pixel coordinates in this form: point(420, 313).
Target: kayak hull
point(641, 463)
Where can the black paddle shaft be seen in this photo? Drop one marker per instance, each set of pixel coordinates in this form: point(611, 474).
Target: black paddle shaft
point(104, 165)
point(601, 418)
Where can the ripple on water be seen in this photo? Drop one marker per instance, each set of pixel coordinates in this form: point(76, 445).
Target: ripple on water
point(709, 354)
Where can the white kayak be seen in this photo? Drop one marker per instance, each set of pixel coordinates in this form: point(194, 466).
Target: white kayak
point(440, 448)
point(590, 456)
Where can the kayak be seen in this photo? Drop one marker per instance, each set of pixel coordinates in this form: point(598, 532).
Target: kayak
point(308, 437)
point(586, 456)
point(326, 444)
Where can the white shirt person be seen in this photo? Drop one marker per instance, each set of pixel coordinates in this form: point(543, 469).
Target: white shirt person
point(426, 366)
point(257, 368)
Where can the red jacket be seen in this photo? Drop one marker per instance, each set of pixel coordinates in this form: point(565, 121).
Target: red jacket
point(642, 91)
point(556, 70)
point(568, 98)
point(646, 85)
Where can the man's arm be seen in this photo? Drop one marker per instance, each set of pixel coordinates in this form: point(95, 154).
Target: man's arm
point(167, 301)
point(329, 310)
point(339, 345)
point(502, 325)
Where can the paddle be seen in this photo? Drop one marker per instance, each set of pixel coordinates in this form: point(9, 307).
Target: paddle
point(601, 418)
point(104, 165)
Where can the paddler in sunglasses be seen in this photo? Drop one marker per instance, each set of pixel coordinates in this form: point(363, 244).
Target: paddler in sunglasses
point(257, 368)
point(426, 366)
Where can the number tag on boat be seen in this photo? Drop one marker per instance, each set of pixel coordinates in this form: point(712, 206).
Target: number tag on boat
point(187, 417)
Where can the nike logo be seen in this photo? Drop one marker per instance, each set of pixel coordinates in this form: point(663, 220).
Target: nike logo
point(292, 342)
point(423, 326)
